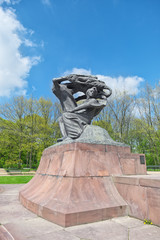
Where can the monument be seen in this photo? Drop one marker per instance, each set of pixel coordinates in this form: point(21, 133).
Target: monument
point(74, 181)
point(75, 117)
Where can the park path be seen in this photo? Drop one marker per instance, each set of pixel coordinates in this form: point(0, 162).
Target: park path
point(3, 172)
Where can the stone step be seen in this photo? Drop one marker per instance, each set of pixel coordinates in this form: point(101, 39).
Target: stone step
point(73, 185)
point(4, 234)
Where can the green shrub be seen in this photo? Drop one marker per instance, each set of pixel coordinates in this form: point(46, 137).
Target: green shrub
point(2, 162)
point(15, 164)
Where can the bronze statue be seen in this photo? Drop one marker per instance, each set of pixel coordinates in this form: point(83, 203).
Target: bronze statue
point(76, 117)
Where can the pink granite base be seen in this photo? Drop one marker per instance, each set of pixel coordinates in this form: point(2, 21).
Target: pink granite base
point(73, 184)
point(70, 201)
point(142, 194)
point(4, 234)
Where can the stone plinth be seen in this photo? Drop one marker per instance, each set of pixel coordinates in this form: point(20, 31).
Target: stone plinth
point(73, 184)
point(142, 194)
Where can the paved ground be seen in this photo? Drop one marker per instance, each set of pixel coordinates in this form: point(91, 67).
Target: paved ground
point(4, 173)
point(20, 224)
point(153, 172)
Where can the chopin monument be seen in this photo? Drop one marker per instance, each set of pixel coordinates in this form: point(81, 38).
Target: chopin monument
point(74, 181)
point(75, 117)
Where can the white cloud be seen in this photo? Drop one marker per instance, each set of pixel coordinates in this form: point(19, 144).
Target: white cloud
point(80, 71)
point(46, 2)
point(15, 1)
point(9, 2)
point(29, 43)
point(129, 84)
point(5, 1)
point(34, 88)
point(14, 67)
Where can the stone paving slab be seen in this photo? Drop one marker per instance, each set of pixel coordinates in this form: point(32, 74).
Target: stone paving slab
point(100, 231)
point(146, 232)
point(24, 225)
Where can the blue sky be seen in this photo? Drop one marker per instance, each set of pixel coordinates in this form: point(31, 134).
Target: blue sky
point(118, 40)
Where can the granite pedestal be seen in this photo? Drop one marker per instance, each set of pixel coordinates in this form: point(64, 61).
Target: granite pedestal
point(74, 185)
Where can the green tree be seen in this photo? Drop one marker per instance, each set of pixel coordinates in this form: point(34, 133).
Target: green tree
point(12, 125)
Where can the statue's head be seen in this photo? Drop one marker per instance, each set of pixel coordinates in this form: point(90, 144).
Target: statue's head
point(92, 92)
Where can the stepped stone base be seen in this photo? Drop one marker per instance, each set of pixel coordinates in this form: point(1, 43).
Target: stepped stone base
point(73, 184)
point(4, 234)
point(142, 194)
point(72, 201)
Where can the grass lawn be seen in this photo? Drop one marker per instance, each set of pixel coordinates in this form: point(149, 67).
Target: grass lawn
point(14, 179)
point(154, 170)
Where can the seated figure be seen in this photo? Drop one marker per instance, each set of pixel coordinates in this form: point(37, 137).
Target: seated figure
point(75, 117)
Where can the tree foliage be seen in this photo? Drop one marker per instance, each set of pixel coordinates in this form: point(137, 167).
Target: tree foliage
point(135, 121)
point(27, 127)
